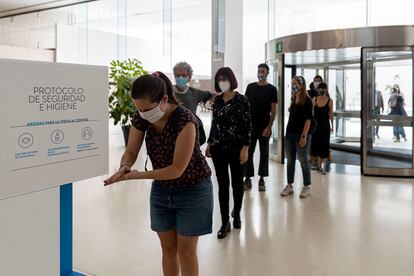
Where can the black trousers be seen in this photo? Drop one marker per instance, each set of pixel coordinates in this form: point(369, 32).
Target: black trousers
point(222, 160)
point(264, 155)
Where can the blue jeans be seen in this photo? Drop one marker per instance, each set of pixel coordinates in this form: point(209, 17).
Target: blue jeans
point(292, 149)
point(188, 210)
point(399, 131)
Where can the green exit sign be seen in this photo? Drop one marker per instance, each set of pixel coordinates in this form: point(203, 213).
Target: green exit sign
point(279, 47)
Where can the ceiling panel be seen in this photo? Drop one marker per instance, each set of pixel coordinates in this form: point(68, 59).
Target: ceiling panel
point(17, 7)
point(6, 5)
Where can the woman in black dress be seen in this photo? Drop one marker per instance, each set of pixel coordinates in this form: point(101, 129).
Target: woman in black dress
point(323, 113)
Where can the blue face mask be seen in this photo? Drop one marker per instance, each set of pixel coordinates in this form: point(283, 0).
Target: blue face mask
point(181, 82)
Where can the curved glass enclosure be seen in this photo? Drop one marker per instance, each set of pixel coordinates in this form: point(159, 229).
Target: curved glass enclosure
point(360, 66)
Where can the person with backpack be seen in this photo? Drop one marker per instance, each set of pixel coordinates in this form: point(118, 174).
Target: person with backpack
point(181, 200)
point(228, 145)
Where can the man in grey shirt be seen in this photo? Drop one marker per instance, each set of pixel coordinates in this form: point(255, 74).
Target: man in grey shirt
point(190, 97)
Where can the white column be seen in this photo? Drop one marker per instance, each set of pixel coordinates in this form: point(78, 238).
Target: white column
point(233, 50)
point(217, 37)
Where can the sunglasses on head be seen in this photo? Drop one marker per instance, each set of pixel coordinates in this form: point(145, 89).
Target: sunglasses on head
point(300, 80)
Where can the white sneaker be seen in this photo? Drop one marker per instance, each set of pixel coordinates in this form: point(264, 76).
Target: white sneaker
point(288, 190)
point(322, 170)
point(306, 192)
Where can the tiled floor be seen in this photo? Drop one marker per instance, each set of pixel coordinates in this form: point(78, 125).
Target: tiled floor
point(351, 225)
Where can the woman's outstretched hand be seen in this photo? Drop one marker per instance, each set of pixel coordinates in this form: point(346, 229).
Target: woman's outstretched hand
point(123, 174)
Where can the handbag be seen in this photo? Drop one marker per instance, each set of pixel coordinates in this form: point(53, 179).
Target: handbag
point(314, 123)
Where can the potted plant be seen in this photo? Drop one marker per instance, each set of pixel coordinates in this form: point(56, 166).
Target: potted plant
point(121, 76)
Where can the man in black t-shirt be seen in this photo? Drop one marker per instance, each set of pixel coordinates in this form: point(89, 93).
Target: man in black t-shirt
point(263, 99)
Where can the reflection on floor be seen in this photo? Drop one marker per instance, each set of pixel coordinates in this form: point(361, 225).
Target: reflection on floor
point(346, 158)
point(350, 158)
point(351, 225)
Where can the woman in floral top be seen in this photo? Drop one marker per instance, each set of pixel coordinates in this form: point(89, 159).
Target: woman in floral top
point(181, 201)
point(228, 144)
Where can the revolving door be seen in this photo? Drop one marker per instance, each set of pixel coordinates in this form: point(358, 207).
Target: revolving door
point(360, 76)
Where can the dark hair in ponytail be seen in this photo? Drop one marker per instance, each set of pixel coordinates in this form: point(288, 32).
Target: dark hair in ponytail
point(154, 87)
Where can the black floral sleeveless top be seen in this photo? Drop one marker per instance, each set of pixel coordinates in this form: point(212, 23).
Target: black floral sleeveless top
point(161, 146)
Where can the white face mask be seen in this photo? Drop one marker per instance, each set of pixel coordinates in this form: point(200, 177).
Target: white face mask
point(295, 89)
point(153, 115)
point(224, 86)
point(261, 77)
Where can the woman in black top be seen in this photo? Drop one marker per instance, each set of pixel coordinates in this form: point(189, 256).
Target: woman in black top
point(297, 140)
point(228, 144)
point(323, 113)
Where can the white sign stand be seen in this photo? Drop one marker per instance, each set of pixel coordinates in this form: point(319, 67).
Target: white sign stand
point(54, 126)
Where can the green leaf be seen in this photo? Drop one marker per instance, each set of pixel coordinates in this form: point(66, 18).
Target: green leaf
point(121, 107)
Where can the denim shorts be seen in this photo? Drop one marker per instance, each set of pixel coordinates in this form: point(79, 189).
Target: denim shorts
point(188, 210)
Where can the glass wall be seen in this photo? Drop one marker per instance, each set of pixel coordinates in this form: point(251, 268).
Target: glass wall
point(385, 12)
point(159, 33)
point(191, 34)
point(163, 32)
point(145, 34)
point(299, 16)
point(255, 36)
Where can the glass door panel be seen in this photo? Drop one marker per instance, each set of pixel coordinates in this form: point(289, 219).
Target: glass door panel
point(388, 115)
point(345, 91)
point(276, 141)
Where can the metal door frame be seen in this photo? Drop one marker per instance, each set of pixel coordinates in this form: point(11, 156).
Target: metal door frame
point(279, 81)
point(367, 74)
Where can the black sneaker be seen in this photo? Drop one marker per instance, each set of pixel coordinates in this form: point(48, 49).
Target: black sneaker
point(262, 186)
point(247, 184)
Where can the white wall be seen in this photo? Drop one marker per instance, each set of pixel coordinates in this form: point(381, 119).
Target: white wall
point(27, 31)
point(14, 52)
point(29, 234)
point(84, 46)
